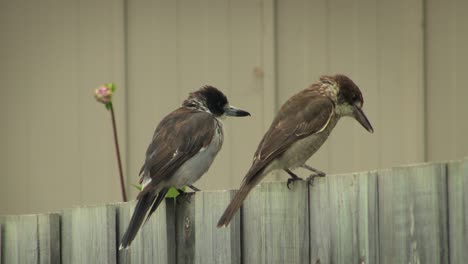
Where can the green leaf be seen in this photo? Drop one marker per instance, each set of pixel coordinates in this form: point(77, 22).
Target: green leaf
point(137, 186)
point(111, 86)
point(109, 105)
point(173, 192)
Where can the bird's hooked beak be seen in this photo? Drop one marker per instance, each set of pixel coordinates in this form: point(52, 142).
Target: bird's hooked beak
point(232, 111)
point(362, 119)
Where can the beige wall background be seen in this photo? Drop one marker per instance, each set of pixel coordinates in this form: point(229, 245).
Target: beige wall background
point(56, 147)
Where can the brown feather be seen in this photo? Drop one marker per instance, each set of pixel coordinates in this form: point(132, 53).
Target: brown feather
point(178, 137)
point(304, 114)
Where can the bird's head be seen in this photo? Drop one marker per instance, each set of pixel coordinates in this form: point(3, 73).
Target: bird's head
point(212, 100)
point(350, 100)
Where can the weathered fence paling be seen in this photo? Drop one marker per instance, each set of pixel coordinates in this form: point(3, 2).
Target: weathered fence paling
point(155, 242)
point(88, 235)
point(30, 239)
point(198, 239)
point(344, 219)
point(413, 214)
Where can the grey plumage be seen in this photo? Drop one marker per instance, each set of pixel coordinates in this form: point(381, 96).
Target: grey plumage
point(183, 147)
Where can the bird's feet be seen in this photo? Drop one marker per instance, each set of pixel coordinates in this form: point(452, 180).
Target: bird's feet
point(316, 173)
point(183, 197)
point(291, 180)
point(311, 178)
point(195, 189)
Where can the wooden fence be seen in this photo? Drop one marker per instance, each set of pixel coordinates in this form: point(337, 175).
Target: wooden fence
point(414, 214)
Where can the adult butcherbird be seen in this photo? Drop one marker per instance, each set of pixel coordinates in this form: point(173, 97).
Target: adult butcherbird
point(183, 147)
point(301, 126)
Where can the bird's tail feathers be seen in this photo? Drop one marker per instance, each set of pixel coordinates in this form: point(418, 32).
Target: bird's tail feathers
point(157, 202)
point(235, 204)
point(146, 205)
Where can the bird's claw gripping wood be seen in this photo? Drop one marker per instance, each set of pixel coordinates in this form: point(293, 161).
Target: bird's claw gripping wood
point(316, 172)
point(184, 196)
point(291, 180)
point(311, 178)
point(195, 189)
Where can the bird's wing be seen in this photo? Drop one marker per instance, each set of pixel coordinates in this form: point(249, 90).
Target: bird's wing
point(302, 115)
point(178, 137)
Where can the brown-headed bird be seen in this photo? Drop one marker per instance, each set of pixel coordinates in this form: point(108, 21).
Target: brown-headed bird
point(301, 126)
point(183, 147)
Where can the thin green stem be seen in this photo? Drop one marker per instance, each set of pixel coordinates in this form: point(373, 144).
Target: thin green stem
point(117, 151)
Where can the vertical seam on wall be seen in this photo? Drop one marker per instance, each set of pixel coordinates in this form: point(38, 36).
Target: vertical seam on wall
point(378, 85)
point(327, 67)
point(424, 81)
point(126, 95)
point(177, 54)
point(230, 86)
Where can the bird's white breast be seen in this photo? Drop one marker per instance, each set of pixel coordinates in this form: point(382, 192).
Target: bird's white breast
point(196, 166)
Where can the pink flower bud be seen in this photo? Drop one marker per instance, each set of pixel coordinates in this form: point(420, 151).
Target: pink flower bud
point(103, 94)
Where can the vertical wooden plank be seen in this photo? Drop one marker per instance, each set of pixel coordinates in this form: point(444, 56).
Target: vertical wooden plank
point(89, 235)
point(247, 90)
point(302, 56)
point(458, 210)
point(100, 36)
point(20, 239)
point(185, 231)
point(221, 45)
point(401, 79)
point(269, 62)
point(367, 147)
point(49, 238)
point(155, 242)
point(343, 40)
point(352, 29)
point(446, 56)
point(207, 45)
point(275, 224)
point(413, 214)
point(30, 239)
point(198, 239)
point(344, 219)
point(66, 49)
point(152, 74)
point(381, 52)
point(15, 52)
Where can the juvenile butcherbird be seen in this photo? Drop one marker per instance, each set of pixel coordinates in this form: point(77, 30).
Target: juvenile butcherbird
point(301, 126)
point(183, 147)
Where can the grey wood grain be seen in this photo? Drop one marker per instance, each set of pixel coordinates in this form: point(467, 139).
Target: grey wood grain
point(89, 235)
point(276, 224)
point(30, 239)
point(413, 214)
point(198, 239)
point(155, 242)
point(458, 210)
point(20, 239)
point(344, 219)
point(185, 231)
point(49, 238)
